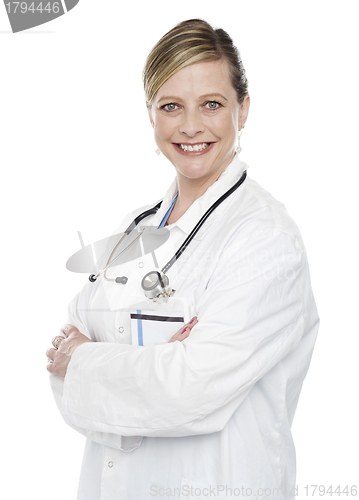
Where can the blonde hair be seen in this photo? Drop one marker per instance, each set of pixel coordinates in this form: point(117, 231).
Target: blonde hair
point(190, 42)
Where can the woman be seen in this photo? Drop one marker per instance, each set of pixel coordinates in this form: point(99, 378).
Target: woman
point(205, 410)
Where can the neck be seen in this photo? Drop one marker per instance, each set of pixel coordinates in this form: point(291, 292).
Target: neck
point(189, 190)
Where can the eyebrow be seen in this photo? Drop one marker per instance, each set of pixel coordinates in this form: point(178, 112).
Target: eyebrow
point(174, 98)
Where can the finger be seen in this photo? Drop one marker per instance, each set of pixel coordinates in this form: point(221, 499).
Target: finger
point(184, 334)
point(192, 323)
point(68, 329)
point(185, 331)
point(63, 329)
point(51, 353)
point(56, 340)
point(180, 335)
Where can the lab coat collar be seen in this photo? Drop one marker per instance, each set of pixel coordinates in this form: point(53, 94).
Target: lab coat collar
point(199, 207)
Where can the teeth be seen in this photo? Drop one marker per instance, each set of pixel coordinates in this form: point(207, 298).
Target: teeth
point(196, 147)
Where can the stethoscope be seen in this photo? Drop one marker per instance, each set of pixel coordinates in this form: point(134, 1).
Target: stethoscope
point(155, 284)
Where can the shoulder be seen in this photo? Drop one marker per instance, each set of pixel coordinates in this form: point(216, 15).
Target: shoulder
point(254, 211)
point(259, 243)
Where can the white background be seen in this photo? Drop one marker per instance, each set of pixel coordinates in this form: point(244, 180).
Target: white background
point(77, 153)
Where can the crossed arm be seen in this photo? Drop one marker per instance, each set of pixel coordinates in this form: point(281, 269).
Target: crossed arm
point(64, 346)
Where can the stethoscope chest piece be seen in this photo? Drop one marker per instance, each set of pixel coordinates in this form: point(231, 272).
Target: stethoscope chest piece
point(156, 286)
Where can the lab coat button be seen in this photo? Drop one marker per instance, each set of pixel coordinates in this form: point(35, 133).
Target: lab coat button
point(121, 329)
point(110, 464)
point(140, 264)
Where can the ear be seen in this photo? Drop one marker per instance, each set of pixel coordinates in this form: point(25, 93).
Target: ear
point(150, 116)
point(243, 112)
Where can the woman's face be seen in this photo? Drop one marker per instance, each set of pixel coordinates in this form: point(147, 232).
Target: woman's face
point(196, 118)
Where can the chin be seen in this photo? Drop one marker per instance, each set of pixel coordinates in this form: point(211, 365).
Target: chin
point(193, 172)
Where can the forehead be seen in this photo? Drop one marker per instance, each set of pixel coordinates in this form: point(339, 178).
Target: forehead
point(199, 79)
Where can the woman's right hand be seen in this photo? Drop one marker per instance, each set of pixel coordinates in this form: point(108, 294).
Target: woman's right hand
point(184, 331)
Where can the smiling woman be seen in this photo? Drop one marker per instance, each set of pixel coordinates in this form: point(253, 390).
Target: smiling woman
point(207, 407)
point(197, 97)
point(196, 117)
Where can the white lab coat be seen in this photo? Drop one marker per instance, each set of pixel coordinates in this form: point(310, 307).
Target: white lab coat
point(210, 416)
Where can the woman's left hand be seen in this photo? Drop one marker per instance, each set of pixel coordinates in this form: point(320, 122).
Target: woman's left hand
point(60, 354)
point(184, 332)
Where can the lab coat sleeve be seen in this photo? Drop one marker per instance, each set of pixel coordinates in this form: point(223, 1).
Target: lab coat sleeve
point(255, 309)
point(76, 318)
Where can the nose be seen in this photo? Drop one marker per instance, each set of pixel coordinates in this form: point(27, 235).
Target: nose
point(191, 123)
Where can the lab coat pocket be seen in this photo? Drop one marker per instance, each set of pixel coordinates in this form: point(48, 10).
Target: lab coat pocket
point(150, 327)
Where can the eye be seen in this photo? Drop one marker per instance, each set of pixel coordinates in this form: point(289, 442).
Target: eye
point(213, 105)
point(170, 107)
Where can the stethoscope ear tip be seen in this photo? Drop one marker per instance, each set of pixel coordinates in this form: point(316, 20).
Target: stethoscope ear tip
point(92, 278)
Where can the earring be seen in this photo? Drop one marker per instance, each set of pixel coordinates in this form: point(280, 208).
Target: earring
point(158, 152)
point(238, 148)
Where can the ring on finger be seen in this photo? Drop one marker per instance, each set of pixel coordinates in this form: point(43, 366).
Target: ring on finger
point(56, 341)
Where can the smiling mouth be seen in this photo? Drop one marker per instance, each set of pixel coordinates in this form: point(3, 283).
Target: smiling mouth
point(194, 147)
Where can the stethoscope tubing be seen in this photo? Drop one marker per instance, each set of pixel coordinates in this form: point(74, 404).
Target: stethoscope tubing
point(131, 227)
point(199, 224)
point(182, 248)
point(143, 215)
